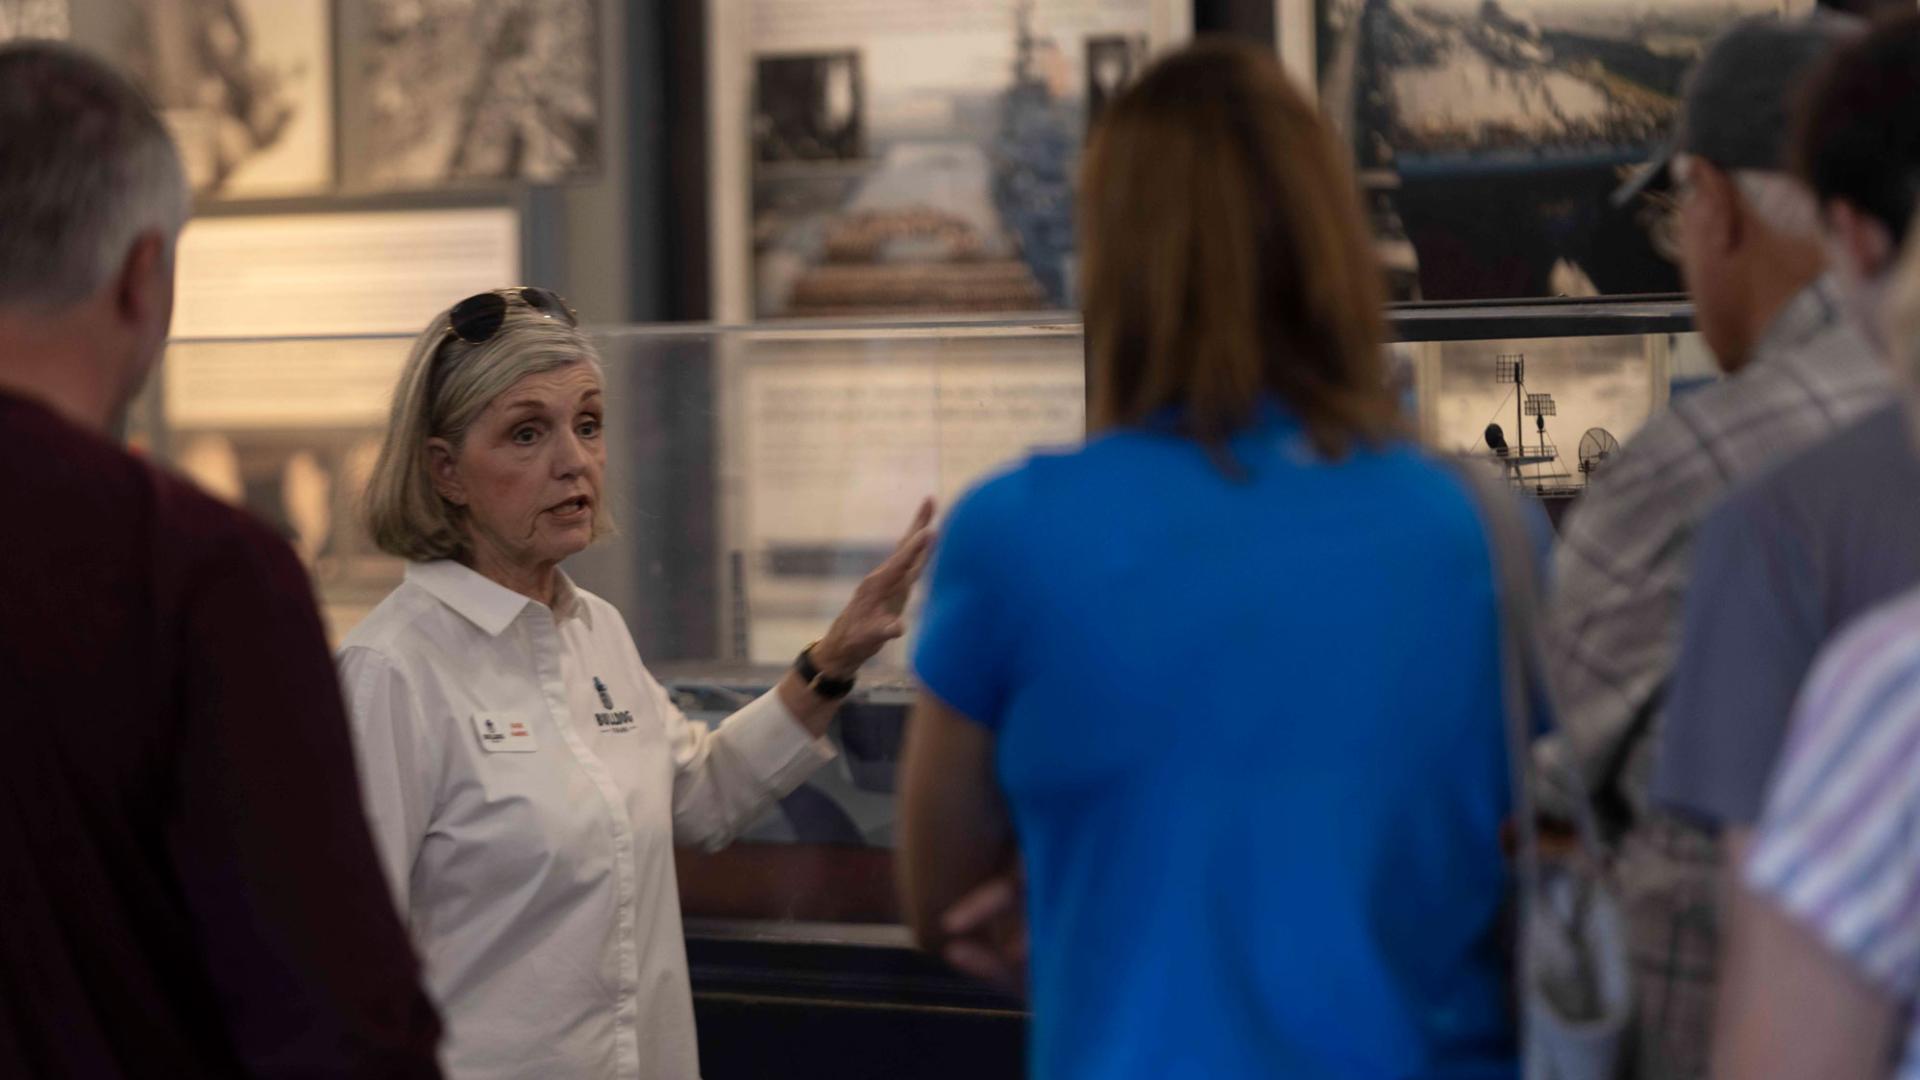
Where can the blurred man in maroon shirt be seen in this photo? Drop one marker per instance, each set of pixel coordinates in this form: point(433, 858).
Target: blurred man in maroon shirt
point(187, 886)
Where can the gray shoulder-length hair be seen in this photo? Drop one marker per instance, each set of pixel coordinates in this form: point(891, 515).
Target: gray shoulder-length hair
point(446, 385)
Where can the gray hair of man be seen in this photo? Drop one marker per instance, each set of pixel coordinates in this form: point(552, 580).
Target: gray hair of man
point(86, 169)
point(445, 386)
point(1782, 202)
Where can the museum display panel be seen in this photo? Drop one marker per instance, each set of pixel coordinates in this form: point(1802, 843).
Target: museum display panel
point(360, 163)
point(856, 158)
point(755, 474)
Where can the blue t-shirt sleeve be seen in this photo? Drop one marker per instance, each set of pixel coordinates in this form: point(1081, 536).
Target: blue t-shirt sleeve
point(965, 652)
point(1748, 636)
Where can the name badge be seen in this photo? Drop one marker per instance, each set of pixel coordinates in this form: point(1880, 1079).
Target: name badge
point(501, 736)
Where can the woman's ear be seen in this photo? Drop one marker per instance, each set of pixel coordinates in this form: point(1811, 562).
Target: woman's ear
point(443, 468)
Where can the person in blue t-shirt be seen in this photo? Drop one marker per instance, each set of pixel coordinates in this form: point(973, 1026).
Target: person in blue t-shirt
point(1222, 687)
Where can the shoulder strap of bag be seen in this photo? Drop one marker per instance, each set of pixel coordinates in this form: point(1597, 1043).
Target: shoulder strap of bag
point(1546, 1015)
point(1516, 578)
point(1515, 589)
point(1525, 696)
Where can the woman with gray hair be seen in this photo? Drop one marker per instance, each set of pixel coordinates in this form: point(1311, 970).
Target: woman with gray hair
point(526, 778)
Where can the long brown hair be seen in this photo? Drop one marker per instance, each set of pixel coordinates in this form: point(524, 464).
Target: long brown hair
point(1226, 258)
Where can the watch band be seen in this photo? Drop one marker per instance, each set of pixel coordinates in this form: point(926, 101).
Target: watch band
point(819, 681)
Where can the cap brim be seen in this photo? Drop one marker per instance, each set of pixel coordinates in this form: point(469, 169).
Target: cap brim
point(1644, 177)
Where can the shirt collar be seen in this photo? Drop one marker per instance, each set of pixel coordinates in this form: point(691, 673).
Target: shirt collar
point(569, 602)
point(1813, 310)
point(485, 602)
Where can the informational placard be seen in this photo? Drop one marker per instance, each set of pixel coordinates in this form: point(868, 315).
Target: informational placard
point(353, 273)
point(876, 157)
point(281, 386)
point(837, 437)
point(840, 446)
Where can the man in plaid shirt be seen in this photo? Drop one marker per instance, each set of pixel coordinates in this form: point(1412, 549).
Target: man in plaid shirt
point(1750, 245)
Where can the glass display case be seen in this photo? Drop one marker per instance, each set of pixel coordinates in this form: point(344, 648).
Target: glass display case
point(755, 474)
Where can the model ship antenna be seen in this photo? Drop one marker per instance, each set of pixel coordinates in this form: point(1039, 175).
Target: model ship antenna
point(1512, 368)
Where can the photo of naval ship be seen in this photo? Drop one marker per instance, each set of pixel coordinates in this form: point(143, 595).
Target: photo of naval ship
point(932, 171)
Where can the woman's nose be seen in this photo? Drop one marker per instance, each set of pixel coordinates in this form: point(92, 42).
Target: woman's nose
point(570, 455)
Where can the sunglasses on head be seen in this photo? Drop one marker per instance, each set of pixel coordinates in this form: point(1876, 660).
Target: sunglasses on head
point(479, 317)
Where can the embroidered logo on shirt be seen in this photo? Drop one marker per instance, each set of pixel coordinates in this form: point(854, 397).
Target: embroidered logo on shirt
point(612, 720)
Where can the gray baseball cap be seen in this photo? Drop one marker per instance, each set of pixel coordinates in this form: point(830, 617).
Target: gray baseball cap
point(1737, 108)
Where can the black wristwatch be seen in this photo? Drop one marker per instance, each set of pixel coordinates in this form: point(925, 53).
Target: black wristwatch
point(818, 681)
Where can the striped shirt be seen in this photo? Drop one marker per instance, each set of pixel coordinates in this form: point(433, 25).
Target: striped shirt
point(1838, 849)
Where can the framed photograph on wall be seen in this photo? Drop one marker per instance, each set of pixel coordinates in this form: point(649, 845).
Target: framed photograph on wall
point(245, 86)
point(902, 157)
point(459, 93)
point(1490, 134)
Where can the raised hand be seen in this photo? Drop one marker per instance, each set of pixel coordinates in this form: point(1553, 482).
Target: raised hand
point(873, 617)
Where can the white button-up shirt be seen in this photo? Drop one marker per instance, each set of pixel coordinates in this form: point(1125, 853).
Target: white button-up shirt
point(527, 780)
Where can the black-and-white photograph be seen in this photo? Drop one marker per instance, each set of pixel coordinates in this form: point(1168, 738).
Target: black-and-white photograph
point(928, 165)
point(245, 86)
point(1112, 62)
point(33, 19)
point(448, 92)
point(1489, 134)
point(808, 108)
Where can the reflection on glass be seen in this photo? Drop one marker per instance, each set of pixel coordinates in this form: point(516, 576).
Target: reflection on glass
point(755, 475)
point(1542, 399)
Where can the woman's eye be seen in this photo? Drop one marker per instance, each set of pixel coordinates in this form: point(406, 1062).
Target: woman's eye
point(525, 436)
point(589, 428)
